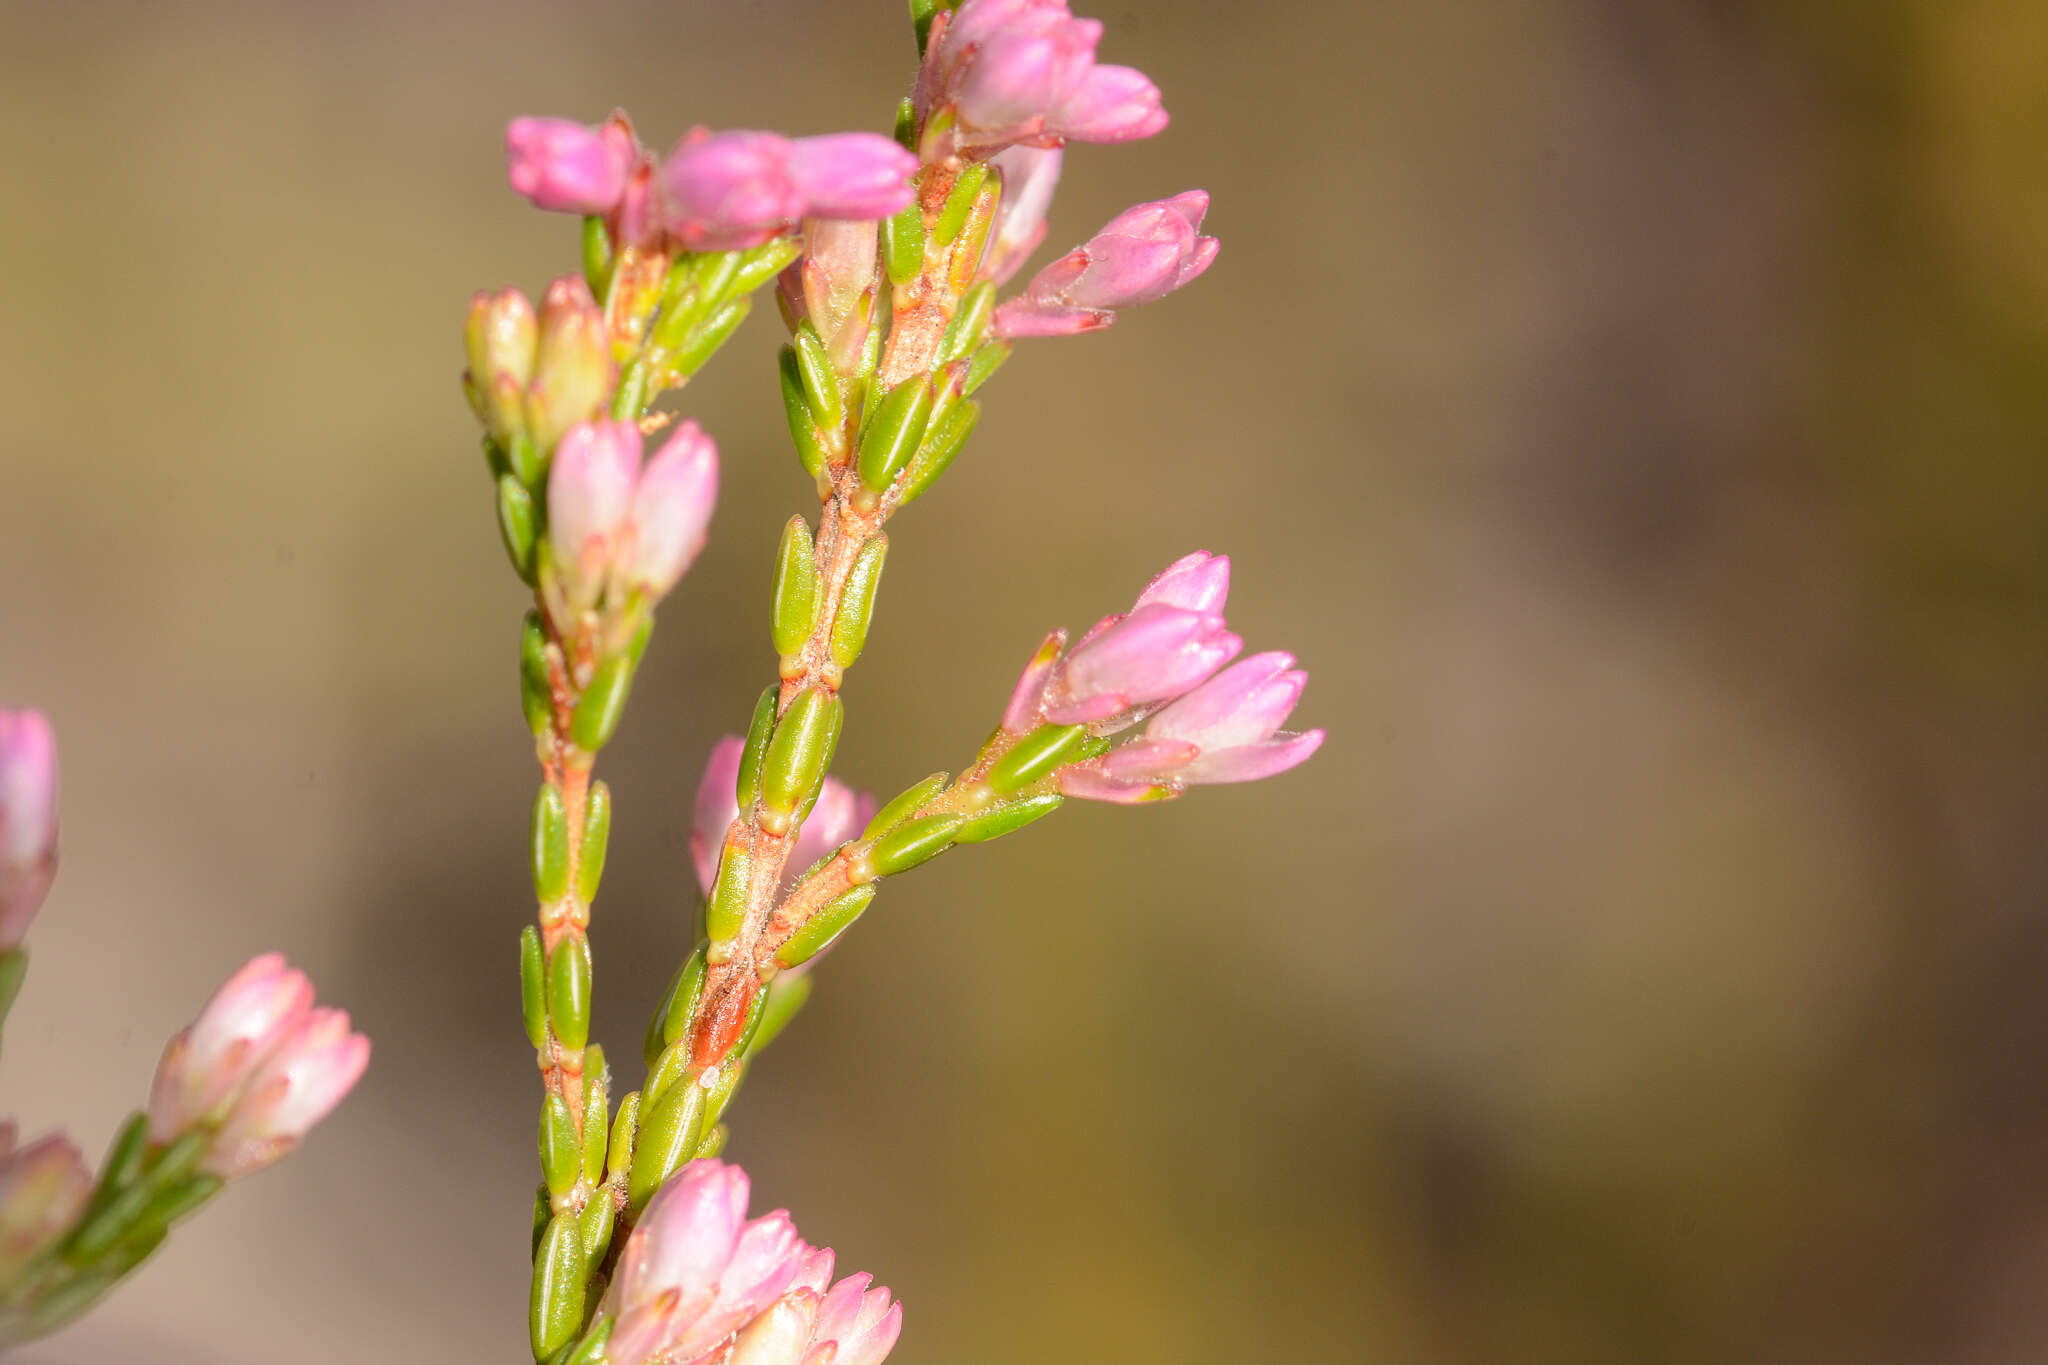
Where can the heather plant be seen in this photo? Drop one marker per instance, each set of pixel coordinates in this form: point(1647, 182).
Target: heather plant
point(885, 257)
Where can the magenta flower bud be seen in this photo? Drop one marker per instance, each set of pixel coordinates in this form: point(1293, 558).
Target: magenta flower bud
point(567, 167)
point(852, 175)
point(590, 491)
point(300, 1083)
point(860, 1322)
point(839, 813)
point(726, 191)
point(1030, 175)
point(260, 1064)
point(28, 820)
point(671, 509)
point(43, 1190)
point(1144, 253)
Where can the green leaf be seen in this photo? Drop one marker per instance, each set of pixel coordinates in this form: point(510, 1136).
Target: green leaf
point(550, 844)
point(555, 1307)
point(1008, 819)
point(569, 991)
point(796, 407)
point(857, 602)
point(903, 244)
point(518, 526)
point(668, 1136)
point(913, 843)
point(1035, 755)
point(799, 752)
point(894, 435)
point(602, 704)
point(533, 987)
point(597, 834)
point(959, 203)
point(830, 922)
point(905, 804)
point(747, 789)
point(795, 607)
point(536, 693)
point(558, 1152)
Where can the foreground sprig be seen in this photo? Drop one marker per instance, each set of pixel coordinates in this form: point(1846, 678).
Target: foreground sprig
point(888, 256)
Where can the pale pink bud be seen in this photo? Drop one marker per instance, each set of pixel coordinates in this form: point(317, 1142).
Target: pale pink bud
point(568, 167)
point(835, 284)
point(1142, 254)
point(573, 368)
point(1029, 175)
point(260, 1063)
point(671, 509)
point(28, 820)
point(860, 1324)
point(590, 491)
point(207, 1066)
point(43, 1190)
point(839, 813)
point(1226, 730)
point(852, 175)
point(1027, 699)
point(296, 1087)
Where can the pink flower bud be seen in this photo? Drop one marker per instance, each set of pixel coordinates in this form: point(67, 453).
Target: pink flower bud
point(311, 1071)
point(861, 1323)
point(43, 1189)
point(1226, 730)
point(672, 509)
point(839, 813)
point(260, 1064)
point(1142, 254)
point(567, 167)
point(1029, 175)
point(28, 820)
point(694, 1272)
point(501, 337)
point(1023, 71)
point(727, 191)
point(1027, 700)
point(852, 175)
point(590, 490)
point(1172, 638)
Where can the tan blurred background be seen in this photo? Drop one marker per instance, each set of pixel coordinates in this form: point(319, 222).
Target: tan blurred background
point(1632, 413)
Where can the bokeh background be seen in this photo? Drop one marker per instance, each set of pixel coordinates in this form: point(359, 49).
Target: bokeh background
point(1632, 411)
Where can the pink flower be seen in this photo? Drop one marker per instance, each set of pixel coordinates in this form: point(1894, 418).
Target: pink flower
point(1030, 175)
point(43, 1189)
point(1023, 71)
point(28, 820)
point(1142, 254)
point(840, 812)
point(1172, 639)
point(568, 167)
point(694, 1271)
point(1226, 730)
point(727, 191)
point(616, 526)
point(260, 1065)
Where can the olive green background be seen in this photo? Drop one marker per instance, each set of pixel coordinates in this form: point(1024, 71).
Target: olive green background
point(1633, 414)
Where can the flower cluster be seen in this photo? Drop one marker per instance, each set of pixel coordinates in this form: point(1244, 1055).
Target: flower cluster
point(1002, 72)
point(714, 191)
point(620, 526)
point(1164, 653)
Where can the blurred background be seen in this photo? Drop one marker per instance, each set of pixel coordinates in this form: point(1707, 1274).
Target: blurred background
point(1633, 413)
